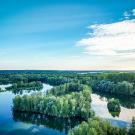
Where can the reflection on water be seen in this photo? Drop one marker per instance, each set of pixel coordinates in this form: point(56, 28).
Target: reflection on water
point(12, 123)
point(60, 124)
point(29, 91)
point(20, 128)
point(3, 87)
point(9, 125)
point(127, 102)
point(114, 114)
point(99, 105)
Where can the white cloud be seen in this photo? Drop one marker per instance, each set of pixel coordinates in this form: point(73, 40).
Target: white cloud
point(126, 15)
point(129, 14)
point(133, 12)
point(115, 39)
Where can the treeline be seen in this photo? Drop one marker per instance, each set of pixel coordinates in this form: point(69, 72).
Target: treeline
point(4, 78)
point(97, 126)
point(60, 77)
point(52, 78)
point(75, 104)
point(120, 88)
point(19, 86)
point(102, 82)
point(119, 77)
point(68, 88)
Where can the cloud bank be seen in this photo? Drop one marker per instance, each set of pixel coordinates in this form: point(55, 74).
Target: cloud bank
point(115, 39)
point(129, 14)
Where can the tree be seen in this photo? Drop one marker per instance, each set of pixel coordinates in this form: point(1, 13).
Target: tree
point(113, 105)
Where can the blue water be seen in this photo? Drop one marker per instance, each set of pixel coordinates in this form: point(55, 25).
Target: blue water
point(8, 126)
point(27, 124)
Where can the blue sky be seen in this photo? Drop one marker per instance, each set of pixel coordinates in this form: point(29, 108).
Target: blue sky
point(67, 34)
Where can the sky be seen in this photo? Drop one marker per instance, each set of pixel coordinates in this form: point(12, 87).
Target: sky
point(67, 34)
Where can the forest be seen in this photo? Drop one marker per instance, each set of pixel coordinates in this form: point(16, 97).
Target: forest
point(118, 83)
point(124, 88)
point(70, 97)
point(98, 126)
point(75, 104)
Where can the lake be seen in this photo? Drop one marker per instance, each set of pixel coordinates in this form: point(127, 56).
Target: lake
point(13, 123)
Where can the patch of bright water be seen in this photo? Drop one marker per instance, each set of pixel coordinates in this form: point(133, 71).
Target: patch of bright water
point(99, 105)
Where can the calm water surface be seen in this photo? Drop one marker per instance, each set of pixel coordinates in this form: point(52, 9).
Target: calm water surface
point(13, 123)
point(10, 124)
point(99, 105)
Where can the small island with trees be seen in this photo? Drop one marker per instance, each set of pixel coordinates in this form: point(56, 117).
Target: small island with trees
point(113, 106)
point(69, 99)
point(20, 86)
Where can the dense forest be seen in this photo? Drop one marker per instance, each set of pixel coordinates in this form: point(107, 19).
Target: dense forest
point(68, 88)
point(114, 83)
point(75, 104)
point(124, 88)
point(71, 97)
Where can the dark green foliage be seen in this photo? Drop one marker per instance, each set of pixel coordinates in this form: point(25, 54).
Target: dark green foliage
point(4, 80)
point(19, 86)
point(118, 83)
point(75, 104)
point(121, 88)
point(119, 77)
point(1, 90)
point(68, 88)
point(113, 105)
point(104, 86)
point(96, 126)
point(132, 129)
point(71, 98)
point(114, 114)
point(125, 88)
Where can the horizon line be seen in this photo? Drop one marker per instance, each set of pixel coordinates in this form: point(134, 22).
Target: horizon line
point(92, 70)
